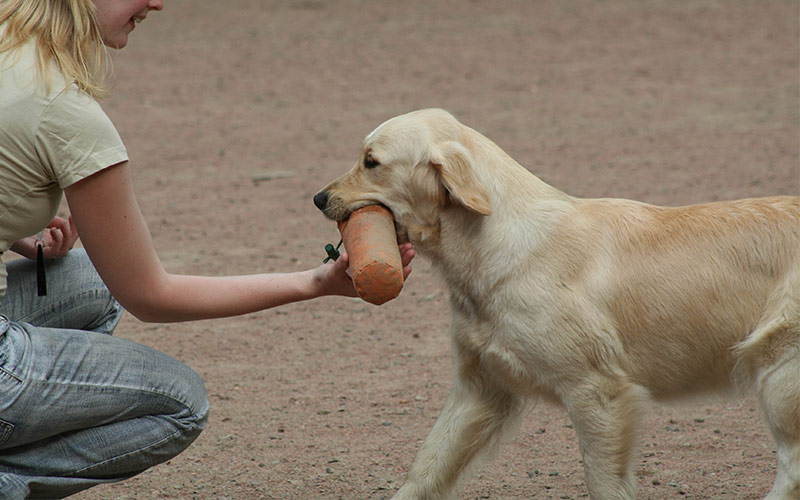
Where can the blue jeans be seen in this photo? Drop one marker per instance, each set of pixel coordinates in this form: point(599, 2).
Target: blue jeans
point(79, 407)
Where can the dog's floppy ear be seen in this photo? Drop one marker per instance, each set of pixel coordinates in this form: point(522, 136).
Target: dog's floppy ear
point(454, 164)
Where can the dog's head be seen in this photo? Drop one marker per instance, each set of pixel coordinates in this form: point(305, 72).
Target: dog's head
point(415, 165)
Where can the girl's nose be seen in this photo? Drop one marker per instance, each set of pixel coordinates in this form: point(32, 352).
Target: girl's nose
point(156, 5)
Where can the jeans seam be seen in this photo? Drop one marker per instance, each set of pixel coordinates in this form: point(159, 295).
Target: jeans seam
point(111, 387)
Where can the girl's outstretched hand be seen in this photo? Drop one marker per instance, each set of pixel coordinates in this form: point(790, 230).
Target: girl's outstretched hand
point(333, 278)
point(407, 254)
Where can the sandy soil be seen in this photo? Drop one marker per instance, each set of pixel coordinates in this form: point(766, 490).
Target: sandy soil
point(235, 113)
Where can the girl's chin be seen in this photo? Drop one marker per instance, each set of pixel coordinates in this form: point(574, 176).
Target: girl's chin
point(117, 42)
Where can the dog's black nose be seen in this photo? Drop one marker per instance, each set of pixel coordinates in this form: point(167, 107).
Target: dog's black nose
point(321, 200)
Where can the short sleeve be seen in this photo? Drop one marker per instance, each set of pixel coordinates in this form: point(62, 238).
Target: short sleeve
point(75, 138)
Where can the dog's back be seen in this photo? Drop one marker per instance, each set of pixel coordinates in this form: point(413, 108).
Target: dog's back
point(694, 282)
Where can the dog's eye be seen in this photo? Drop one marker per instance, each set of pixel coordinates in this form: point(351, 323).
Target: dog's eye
point(370, 162)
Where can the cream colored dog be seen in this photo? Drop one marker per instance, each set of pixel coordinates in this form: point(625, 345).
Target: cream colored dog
point(597, 304)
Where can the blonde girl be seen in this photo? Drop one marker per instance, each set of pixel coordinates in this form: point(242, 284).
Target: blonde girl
point(79, 407)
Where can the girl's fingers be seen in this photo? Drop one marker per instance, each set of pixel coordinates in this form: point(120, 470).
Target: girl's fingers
point(407, 254)
point(63, 234)
point(56, 245)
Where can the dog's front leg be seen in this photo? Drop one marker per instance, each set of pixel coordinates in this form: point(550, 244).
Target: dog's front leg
point(470, 426)
point(604, 411)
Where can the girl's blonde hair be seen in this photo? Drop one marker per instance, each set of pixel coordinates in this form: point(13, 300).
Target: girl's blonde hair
point(66, 34)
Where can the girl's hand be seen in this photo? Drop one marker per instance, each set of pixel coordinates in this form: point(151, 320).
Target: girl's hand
point(407, 254)
point(334, 278)
point(58, 239)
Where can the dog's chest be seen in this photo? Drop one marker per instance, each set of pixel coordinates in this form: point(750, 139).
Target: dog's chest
point(507, 341)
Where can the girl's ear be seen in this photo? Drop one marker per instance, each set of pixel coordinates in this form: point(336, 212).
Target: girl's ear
point(454, 164)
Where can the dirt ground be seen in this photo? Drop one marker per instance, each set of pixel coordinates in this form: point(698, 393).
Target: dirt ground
point(235, 113)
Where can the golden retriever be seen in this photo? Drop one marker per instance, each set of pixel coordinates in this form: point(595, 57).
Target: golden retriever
point(597, 304)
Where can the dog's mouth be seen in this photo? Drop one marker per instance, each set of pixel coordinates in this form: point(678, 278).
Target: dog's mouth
point(336, 211)
point(371, 205)
point(346, 215)
point(340, 212)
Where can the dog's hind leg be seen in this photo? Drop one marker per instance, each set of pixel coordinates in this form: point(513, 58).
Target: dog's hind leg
point(473, 421)
point(604, 411)
point(779, 388)
point(769, 359)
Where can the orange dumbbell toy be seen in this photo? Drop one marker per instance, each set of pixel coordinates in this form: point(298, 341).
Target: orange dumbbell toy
point(371, 243)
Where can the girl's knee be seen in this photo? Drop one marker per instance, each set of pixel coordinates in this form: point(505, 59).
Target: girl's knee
point(191, 421)
point(196, 400)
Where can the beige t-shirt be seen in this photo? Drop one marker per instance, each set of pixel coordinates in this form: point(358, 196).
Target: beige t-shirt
point(48, 141)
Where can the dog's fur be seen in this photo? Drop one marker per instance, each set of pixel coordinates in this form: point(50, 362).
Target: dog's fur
point(597, 304)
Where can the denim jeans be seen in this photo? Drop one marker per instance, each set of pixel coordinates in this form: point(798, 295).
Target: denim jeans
point(79, 407)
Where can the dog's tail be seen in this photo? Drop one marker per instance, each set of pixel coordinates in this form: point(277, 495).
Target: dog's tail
point(775, 340)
